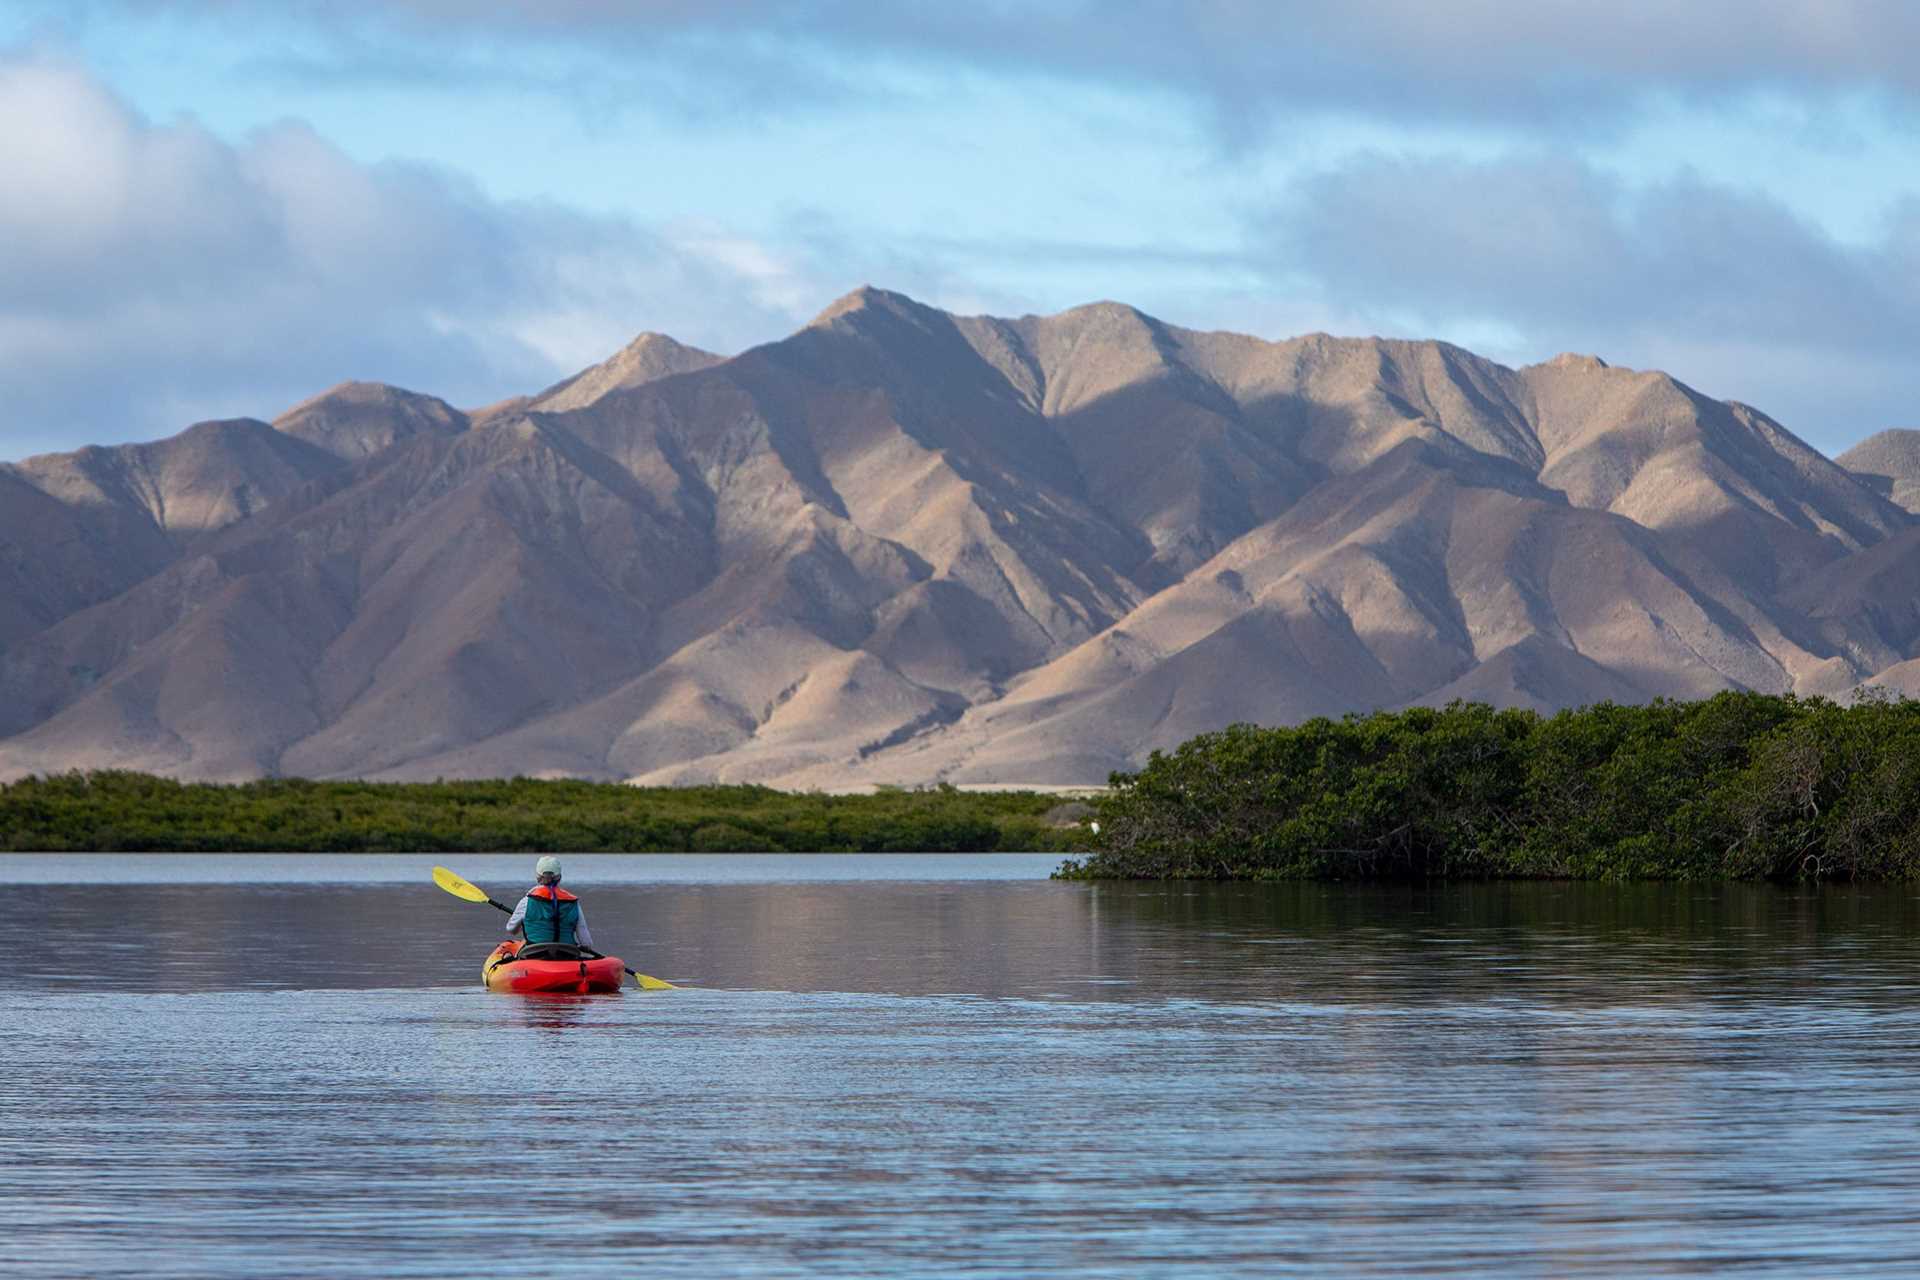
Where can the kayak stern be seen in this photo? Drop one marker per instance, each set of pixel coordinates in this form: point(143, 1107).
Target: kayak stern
point(504, 971)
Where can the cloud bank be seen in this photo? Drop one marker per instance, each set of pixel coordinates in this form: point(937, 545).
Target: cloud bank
point(1525, 64)
point(1724, 287)
point(152, 274)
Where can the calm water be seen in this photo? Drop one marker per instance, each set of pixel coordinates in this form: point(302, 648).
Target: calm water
point(895, 1066)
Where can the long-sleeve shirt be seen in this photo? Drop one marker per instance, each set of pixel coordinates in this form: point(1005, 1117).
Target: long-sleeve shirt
point(516, 923)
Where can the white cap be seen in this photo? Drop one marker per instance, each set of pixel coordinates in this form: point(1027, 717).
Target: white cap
point(547, 866)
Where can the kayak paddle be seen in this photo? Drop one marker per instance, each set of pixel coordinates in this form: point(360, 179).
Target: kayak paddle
point(471, 892)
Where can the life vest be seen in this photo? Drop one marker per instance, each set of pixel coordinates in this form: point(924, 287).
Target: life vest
point(552, 915)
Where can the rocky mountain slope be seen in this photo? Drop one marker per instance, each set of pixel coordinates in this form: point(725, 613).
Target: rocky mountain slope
point(1888, 462)
point(906, 546)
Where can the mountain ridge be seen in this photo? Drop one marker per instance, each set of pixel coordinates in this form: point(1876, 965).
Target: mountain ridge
point(906, 546)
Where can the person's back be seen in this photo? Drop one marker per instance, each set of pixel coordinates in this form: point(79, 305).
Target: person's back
point(548, 913)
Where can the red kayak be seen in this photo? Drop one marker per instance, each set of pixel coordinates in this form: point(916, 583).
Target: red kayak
point(506, 971)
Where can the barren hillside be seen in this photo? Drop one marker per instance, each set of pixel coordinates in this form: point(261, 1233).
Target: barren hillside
point(906, 546)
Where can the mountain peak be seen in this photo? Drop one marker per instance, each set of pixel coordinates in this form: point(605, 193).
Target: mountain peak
point(1575, 360)
point(1106, 309)
point(1888, 462)
point(866, 298)
point(648, 357)
point(355, 391)
point(358, 419)
point(1893, 452)
point(224, 426)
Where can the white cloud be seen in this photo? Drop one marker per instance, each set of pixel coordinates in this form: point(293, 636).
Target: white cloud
point(153, 273)
point(777, 279)
point(1725, 288)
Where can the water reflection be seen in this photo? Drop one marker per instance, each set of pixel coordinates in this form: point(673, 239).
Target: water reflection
point(1597, 944)
point(559, 1012)
point(1567, 942)
point(1015, 1078)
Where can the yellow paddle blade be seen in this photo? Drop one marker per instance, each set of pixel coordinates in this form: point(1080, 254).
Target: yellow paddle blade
point(459, 888)
point(653, 984)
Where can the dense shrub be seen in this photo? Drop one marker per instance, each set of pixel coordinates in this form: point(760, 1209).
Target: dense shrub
point(1741, 785)
point(134, 812)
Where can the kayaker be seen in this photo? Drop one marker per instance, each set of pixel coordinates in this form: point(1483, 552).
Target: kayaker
point(549, 913)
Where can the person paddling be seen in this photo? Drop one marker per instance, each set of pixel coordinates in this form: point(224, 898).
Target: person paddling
point(530, 973)
point(548, 913)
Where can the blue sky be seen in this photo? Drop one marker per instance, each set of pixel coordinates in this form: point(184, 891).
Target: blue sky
point(215, 208)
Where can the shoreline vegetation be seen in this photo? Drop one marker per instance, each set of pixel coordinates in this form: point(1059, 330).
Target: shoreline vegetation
point(1739, 786)
point(138, 813)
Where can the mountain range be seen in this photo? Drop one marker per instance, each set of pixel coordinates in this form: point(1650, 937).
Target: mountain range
point(905, 546)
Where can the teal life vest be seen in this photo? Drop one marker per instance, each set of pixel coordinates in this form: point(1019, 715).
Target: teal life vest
point(552, 915)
